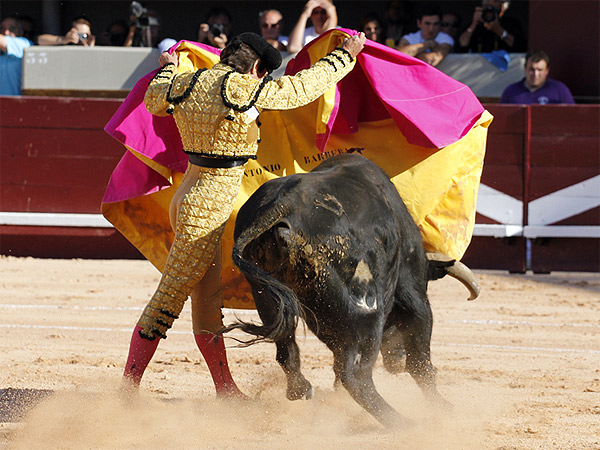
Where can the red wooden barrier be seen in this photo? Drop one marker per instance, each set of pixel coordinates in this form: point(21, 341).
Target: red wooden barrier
point(56, 158)
point(503, 172)
point(564, 174)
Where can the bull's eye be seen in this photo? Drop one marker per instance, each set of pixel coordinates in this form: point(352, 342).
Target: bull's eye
point(283, 224)
point(283, 232)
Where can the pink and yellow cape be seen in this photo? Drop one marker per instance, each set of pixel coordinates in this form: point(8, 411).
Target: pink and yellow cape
point(425, 129)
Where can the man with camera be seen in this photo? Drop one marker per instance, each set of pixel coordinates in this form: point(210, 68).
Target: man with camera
point(79, 34)
point(216, 28)
point(144, 28)
point(492, 30)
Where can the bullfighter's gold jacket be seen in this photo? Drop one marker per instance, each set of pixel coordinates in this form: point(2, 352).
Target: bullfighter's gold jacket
point(215, 109)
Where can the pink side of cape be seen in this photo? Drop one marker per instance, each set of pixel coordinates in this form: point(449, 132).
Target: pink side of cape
point(430, 108)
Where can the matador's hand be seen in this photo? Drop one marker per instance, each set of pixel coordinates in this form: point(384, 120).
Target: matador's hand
point(166, 58)
point(355, 44)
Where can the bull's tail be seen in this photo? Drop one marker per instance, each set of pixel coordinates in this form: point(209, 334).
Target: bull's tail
point(285, 308)
point(439, 265)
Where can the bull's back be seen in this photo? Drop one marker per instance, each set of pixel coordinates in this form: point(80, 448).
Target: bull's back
point(346, 187)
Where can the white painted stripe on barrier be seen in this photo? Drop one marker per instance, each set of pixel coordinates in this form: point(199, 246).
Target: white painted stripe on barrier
point(448, 344)
point(54, 219)
point(499, 206)
point(562, 231)
point(565, 203)
point(497, 230)
point(97, 220)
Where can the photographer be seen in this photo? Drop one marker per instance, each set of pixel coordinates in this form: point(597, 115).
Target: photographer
point(144, 28)
point(79, 34)
point(216, 29)
point(491, 29)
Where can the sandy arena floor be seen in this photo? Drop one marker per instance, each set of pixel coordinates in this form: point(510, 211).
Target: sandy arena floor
point(521, 365)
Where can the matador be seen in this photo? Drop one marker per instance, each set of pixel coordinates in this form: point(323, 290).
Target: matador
point(217, 114)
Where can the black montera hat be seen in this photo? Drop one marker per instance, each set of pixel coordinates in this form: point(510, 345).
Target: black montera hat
point(270, 57)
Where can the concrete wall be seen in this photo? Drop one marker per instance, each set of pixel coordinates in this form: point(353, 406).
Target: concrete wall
point(113, 71)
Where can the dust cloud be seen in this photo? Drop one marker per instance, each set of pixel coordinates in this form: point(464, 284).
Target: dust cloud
point(331, 420)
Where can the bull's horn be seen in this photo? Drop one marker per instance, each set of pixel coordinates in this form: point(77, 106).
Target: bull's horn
point(461, 272)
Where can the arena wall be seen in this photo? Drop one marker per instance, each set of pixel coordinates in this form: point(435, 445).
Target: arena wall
point(538, 207)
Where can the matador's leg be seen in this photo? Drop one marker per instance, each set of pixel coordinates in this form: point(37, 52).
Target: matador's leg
point(207, 319)
point(201, 220)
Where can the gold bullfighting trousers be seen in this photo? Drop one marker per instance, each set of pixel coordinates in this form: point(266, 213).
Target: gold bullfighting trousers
point(201, 220)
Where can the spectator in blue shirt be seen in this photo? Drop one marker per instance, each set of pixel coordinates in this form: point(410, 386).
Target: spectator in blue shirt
point(12, 49)
point(537, 87)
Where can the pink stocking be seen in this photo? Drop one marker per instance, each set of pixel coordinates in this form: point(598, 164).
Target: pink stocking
point(140, 353)
point(212, 348)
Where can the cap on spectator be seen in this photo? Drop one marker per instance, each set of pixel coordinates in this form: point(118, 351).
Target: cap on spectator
point(166, 44)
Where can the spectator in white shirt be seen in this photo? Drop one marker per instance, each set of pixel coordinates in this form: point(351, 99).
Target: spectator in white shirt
point(429, 43)
point(323, 16)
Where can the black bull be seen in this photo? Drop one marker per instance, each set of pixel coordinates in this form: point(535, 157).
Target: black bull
point(337, 248)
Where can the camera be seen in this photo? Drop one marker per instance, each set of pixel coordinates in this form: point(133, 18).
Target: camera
point(217, 29)
point(489, 14)
point(140, 13)
point(83, 37)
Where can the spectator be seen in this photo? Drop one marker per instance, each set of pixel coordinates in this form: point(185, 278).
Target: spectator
point(12, 49)
point(79, 34)
point(396, 17)
point(536, 87)
point(115, 34)
point(491, 29)
point(451, 26)
point(271, 23)
point(29, 29)
point(323, 15)
point(144, 28)
point(429, 44)
point(373, 29)
point(217, 28)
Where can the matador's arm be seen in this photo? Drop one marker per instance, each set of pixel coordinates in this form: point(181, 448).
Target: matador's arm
point(307, 85)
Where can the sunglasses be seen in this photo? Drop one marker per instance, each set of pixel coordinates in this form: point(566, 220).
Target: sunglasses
point(450, 24)
point(271, 25)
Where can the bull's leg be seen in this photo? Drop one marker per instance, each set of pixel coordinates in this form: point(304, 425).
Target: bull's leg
point(288, 356)
point(392, 349)
point(354, 368)
point(288, 353)
point(416, 328)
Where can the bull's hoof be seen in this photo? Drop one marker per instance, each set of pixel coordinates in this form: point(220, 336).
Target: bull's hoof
point(443, 404)
point(440, 403)
point(395, 421)
point(394, 362)
point(300, 391)
point(309, 394)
